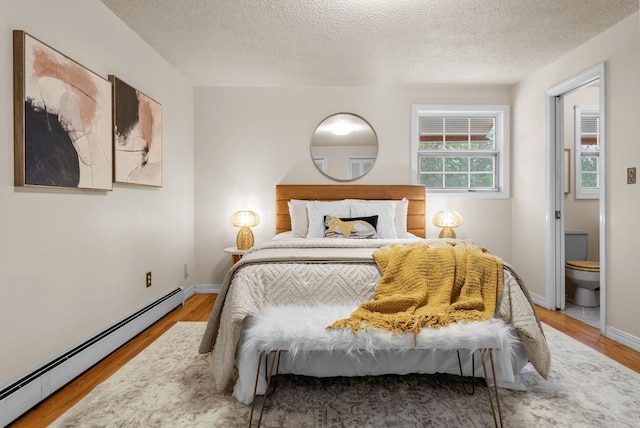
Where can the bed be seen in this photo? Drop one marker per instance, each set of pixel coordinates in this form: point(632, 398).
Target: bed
point(300, 267)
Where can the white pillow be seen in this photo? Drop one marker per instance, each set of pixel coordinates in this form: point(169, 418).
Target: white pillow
point(402, 208)
point(400, 216)
point(299, 217)
point(316, 210)
point(386, 212)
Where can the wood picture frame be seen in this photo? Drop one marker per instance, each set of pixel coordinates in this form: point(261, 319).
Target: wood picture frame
point(62, 120)
point(137, 136)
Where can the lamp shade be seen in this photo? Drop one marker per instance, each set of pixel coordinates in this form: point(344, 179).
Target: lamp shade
point(447, 219)
point(244, 219)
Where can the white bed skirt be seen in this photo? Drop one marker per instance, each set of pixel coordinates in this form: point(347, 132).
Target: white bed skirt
point(308, 360)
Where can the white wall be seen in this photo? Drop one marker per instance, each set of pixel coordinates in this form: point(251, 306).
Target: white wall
point(618, 47)
point(72, 262)
point(250, 139)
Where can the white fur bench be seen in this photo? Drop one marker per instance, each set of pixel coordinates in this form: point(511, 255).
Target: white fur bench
point(302, 329)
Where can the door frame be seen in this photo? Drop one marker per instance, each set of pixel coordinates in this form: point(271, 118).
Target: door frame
point(555, 286)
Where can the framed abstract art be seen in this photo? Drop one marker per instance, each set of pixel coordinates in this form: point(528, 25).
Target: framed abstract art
point(62, 120)
point(137, 136)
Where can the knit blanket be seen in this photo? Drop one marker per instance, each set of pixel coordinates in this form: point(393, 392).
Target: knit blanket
point(429, 285)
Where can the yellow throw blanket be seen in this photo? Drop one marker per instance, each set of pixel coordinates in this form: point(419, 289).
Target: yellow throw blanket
point(432, 285)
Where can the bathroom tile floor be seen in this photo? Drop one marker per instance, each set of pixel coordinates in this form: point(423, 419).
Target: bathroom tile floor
point(589, 316)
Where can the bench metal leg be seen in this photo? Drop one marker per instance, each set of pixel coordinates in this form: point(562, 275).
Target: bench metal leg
point(276, 358)
point(495, 408)
point(496, 419)
point(473, 374)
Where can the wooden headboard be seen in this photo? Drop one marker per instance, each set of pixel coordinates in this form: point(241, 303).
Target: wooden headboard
point(334, 192)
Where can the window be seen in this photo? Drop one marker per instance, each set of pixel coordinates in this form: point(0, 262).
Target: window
point(360, 165)
point(587, 146)
point(461, 150)
point(321, 162)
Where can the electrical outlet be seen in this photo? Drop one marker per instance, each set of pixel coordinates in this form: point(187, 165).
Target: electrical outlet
point(148, 279)
point(631, 175)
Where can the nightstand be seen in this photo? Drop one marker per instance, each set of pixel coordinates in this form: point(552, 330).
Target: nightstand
point(236, 254)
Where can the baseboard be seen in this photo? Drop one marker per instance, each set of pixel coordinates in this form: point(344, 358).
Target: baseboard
point(33, 386)
point(189, 292)
point(623, 338)
point(202, 289)
point(540, 301)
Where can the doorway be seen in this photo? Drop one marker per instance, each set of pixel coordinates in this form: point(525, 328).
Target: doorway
point(565, 186)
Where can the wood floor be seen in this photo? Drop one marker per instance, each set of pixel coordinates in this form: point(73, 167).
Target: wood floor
point(198, 307)
point(591, 337)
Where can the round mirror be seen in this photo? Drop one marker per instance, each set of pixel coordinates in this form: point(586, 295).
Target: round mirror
point(344, 147)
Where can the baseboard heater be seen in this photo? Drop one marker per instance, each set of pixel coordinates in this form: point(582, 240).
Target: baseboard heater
point(22, 394)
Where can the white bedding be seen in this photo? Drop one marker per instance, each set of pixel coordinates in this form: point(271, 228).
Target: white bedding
point(287, 271)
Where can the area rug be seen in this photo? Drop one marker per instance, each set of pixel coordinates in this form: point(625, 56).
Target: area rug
point(169, 385)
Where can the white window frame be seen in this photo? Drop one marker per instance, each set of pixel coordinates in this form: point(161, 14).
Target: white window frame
point(364, 164)
point(322, 162)
point(580, 192)
point(502, 168)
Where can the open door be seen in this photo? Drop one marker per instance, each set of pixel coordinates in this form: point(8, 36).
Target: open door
point(557, 177)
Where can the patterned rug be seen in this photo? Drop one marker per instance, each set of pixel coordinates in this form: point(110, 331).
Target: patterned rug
point(168, 385)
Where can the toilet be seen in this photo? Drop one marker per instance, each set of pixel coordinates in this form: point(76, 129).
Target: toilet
point(584, 275)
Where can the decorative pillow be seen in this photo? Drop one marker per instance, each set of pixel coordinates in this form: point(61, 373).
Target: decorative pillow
point(350, 228)
point(316, 210)
point(386, 212)
point(400, 218)
point(299, 217)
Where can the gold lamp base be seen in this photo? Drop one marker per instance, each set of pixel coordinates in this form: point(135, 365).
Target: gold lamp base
point(447, 232)
point(244, 240)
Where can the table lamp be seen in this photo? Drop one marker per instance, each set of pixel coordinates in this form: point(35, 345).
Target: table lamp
point(244, 220)
point(447, 220)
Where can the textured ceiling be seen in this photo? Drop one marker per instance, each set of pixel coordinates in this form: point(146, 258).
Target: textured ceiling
point(365, 42)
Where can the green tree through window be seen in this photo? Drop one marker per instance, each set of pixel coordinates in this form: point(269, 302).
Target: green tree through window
point(460, 150)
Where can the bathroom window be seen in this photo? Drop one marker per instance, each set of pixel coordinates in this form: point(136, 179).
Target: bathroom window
point(461, 150)
point(587, 148)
